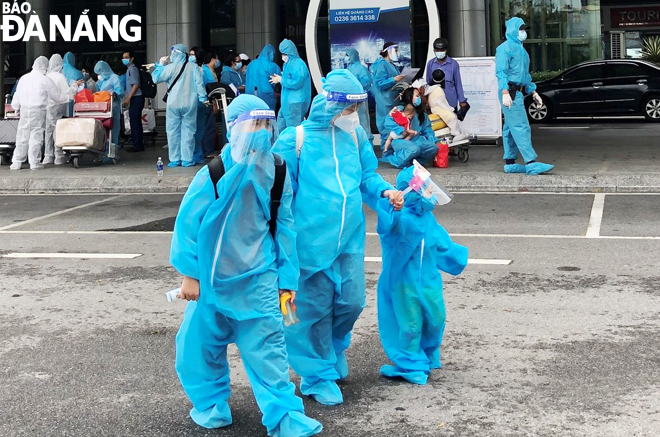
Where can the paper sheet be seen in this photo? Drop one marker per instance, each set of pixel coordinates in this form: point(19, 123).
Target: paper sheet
point(409, 74)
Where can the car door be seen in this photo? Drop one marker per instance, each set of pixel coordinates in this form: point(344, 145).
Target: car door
point(580, 91)
point(625, 85)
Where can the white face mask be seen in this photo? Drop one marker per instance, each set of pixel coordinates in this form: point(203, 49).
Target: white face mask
point(285, 58)
point(348, 123)
point(522, 35)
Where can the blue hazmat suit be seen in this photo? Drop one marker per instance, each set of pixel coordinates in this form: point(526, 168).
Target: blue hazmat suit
point(364, 76)
point(411, 308)
point(258, 75)
point(330, 179)
point(512, 67)
point(111, 83)
point(71, 73)
point(229, 76)
point(226, 245)
point(296, 88)
point(421, 147)
point(384, 73)
point(181, 111)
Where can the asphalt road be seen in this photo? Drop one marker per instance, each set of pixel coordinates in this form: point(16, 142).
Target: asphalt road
point(561, 341)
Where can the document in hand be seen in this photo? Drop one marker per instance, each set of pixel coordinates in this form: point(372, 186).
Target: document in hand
point(409, 74)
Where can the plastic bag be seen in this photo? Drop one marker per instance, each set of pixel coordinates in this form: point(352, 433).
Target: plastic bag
point(84, 96)
point(102, 96)
point(441, 159)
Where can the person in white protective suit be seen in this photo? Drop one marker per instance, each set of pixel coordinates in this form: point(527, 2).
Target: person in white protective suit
point(439, 105)
point(55, 111)
point(32, 94)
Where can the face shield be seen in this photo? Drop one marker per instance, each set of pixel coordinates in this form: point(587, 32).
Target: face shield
point(251, 134)
point(393, 51)
point(422, 184)
point(346, 107)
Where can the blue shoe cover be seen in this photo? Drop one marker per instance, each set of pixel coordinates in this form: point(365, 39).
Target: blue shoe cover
point(341, 366)
point(216, 417)
point(324, 392)
point(295, 423)
point(538, 167)
point(415, 377)
point(174, 164)
point(188, 163)
point(514, 168)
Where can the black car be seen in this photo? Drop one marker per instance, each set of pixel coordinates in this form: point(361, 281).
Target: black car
point(600, 88)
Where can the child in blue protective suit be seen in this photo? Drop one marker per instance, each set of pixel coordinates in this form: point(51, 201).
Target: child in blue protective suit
point(411, 308)
point(233, 266)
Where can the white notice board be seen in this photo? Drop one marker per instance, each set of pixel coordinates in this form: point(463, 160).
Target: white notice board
point(480, 86)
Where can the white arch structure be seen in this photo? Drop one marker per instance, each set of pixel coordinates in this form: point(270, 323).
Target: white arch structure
point(312, 49)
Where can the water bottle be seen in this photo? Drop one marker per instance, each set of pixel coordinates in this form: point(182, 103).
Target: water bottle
point(173, 295)
point(159, 167)
point(288, 309)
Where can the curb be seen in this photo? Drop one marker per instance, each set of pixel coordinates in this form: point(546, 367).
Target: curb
point(493, 182)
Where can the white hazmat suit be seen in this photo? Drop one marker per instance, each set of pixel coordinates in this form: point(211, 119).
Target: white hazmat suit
point(33, 91)
point(55, 111)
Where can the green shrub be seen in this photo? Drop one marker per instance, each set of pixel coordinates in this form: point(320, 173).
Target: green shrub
point(538, 76)
point(651, 50)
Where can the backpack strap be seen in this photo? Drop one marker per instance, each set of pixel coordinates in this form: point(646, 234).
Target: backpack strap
point(276, 192)
point(216, 170)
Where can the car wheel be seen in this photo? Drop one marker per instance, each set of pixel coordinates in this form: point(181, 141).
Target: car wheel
point(539, 114)
point(651, 108)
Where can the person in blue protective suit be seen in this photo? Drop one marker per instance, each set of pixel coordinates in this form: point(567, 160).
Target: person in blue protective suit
point(514, 80)
point(71, 73)
point(386, 75)
point(209, 75)
point(181, 111)
point(231, 72)
point(296, 87)
point(233, 268)
point(258, 76)
point(109, 81)
point(332, 166)
point(196, 56)
point(364, 76)
point(411, 308)
point(420, 146)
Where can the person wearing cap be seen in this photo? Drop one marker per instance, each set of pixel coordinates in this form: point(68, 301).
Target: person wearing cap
point(245, 60)
point(333, 168)
point(296, 87)
point(386, 75)
point(514, 81)
point(411, 308)
point(453, 84)
point(233, 293)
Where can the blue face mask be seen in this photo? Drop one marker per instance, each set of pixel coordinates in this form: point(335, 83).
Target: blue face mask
point(440, 55)
point(126, 61)
point(192, 59)
point(417, 101)
point(217, 63)
point(239, 66)
point(259, 141)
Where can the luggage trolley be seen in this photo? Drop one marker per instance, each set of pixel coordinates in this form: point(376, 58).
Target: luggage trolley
point(87, 132)
point(221, 96)
point(442, 132)
point(8, 128)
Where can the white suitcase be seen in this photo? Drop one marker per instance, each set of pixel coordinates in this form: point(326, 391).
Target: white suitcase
point(82, 132)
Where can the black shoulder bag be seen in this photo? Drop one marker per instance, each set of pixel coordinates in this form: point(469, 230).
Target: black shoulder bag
point(175, 81)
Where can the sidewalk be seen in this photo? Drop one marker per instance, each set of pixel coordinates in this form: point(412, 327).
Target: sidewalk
point(588, 157)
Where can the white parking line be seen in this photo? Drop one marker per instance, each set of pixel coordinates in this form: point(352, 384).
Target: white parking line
point(486, 262)
point(64, 211)
point(596, 219)
point(73, 255)
point(563, 127)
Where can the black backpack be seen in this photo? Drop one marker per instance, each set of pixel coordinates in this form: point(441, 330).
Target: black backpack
point(217, 170)
point(147, 85)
